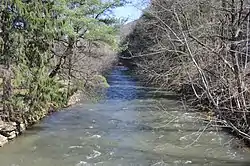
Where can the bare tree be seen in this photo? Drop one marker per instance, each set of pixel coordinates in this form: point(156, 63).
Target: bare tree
point(199, 48)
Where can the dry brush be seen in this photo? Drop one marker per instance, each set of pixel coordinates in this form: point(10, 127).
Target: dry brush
point(201, 49)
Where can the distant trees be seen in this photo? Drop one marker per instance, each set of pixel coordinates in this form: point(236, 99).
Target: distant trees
point(40, 40)
point(200, 48)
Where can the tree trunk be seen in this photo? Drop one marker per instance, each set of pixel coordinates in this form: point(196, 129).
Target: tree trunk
point(62, 60)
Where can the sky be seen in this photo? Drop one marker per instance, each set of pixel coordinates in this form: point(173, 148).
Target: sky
point(131, 11)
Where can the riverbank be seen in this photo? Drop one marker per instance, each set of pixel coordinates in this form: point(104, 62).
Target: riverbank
point(9, 130)
point(12, 128)
point(84, 84)
point(33, 97)
point(206, 61)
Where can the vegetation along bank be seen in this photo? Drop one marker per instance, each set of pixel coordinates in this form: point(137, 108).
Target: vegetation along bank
point(201, 49)
point(50, 50)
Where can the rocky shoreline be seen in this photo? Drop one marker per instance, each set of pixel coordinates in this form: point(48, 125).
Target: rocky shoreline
point(10, 130)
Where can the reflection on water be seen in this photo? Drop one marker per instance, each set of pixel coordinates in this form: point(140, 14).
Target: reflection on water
point(133, 125)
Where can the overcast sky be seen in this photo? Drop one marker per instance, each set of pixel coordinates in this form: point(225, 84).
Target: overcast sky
point(131, 11)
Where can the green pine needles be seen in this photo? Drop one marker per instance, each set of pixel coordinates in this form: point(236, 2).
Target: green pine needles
point(39, 42)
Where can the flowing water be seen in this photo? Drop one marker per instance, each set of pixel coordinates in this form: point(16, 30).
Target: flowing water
point(134, 125)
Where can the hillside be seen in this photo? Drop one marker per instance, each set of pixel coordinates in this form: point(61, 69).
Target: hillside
point(126, 29)
point(200, 50)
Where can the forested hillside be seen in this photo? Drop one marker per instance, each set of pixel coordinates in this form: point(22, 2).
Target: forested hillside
point(51, 49)
point(198, 48)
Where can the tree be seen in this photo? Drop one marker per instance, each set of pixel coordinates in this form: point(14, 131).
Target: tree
point(87, 21)
point(31, 33)
point(200, 48)
point(84, 25)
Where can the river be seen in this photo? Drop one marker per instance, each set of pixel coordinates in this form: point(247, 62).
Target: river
point(133, 125)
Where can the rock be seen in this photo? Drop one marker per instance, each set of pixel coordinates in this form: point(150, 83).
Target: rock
point(75, 98)
point(3, 140)
point(22, 127)
point(1, 124)
point(9, 130)
point(12, 135)
point(9, 127)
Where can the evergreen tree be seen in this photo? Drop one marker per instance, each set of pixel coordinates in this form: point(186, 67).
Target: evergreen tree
point(28, 33)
